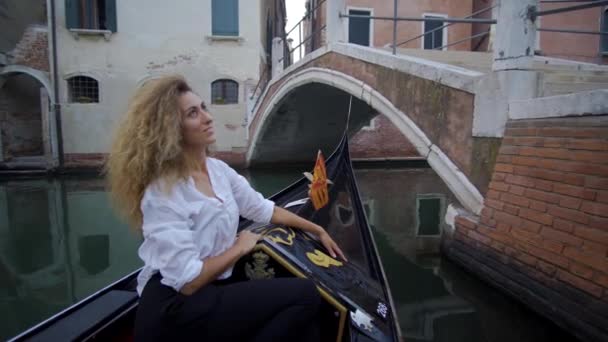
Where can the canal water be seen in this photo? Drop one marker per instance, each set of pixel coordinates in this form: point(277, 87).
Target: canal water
point(60, 241)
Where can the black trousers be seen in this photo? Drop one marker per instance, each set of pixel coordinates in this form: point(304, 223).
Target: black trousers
point(281, 309)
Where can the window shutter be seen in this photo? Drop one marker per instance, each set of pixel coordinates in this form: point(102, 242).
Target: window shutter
point(111, 15)
point(72, 17)
point(435, 39)
point(359, 28)
point(225, 17)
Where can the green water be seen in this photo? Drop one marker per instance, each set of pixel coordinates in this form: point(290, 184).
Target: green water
point(60, 242)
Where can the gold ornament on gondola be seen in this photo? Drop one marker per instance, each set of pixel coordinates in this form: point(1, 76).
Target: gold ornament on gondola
point(318, 188)
point(259, 268)
point(323, 260)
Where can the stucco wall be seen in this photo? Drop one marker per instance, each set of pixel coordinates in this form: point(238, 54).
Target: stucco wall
point(156, 37)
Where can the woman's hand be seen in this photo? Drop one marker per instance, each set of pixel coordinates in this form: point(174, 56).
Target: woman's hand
point(246, 240)
point(331, 246)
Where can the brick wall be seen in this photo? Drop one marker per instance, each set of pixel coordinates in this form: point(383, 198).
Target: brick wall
point(32, 50)
point(383, 141)
point(544, 227)
point(20, 117)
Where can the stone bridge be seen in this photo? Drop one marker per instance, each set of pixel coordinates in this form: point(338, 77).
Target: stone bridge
point(432, 104)
point(450, 106)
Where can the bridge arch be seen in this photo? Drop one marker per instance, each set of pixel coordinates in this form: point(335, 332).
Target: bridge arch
point(459, 184)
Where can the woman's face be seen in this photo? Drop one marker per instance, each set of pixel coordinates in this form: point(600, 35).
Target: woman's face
point(197, 123)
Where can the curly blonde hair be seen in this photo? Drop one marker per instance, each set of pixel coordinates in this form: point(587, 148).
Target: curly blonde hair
point(148, 145)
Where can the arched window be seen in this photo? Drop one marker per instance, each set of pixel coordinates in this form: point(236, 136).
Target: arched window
point(224, 92)
point(83, 89)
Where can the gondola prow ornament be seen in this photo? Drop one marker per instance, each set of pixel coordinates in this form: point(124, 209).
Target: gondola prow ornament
point(318, 193)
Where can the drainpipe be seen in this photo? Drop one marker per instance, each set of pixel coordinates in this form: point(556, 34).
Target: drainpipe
point(56, 105)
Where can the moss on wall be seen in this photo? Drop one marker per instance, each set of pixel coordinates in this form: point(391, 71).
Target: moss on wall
point(483, 159)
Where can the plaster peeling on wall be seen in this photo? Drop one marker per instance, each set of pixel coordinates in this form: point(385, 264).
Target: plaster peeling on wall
point(231, 127)
point(179, 59)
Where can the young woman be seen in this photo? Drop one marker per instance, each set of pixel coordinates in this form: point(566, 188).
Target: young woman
point(187, 206)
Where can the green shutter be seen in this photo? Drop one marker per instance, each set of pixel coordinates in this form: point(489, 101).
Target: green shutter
point(111, 15)
point(225, 17)
point(72, 17)
point(429, 216)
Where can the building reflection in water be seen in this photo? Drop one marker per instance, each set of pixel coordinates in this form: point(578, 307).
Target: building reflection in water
point(435, 299)
point(59, 242)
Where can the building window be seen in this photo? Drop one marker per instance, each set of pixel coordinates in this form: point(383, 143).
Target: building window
point(83, 89)
point(359, 29)
point(430, 210)
point(224, 92)
point(437, 38)
point(225, 17)
point(91, 14)
point(604, 37)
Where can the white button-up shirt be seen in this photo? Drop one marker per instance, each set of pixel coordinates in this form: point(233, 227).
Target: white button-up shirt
point(184, 226)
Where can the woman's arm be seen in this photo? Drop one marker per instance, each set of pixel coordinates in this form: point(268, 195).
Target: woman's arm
point(286, 217)
point(216, 265)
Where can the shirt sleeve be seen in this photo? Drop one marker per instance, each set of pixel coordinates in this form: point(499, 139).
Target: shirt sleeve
point(252, 205)
point(168, 243)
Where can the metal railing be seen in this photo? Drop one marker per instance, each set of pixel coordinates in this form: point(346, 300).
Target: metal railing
point(395, 19)
point(312, 41)
point(533, 13)
point(448, 25)
point(313, 38)
point(264, 79)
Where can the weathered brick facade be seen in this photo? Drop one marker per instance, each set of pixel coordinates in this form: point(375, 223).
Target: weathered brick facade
point(32, 50)
point(543, 233)
point(20, 118)
point(383, 141)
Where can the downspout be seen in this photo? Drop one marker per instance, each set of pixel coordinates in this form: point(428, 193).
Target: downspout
point(56, 105)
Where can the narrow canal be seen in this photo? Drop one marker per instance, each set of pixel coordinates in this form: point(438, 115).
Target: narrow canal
point(60, 241)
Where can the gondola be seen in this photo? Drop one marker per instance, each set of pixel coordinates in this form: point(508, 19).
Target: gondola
point(357, 305)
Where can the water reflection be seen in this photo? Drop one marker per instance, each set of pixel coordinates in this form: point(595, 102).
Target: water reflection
point(59, 242)
point(435, 299)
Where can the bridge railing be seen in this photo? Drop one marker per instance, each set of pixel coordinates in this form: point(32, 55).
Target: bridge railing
point(533, 13)
point(310, 34)
point(310, 31)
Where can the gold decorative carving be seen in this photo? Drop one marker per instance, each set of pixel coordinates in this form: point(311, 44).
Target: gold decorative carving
point(321, 259)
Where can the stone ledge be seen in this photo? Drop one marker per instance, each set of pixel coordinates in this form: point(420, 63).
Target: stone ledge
point(594, 102)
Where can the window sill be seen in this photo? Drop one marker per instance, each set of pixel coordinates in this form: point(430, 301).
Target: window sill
point(215, 38)
point(87, 32)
